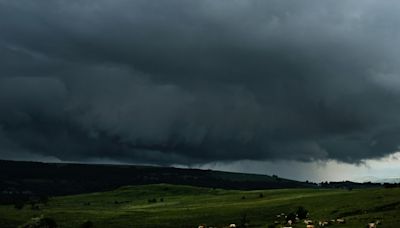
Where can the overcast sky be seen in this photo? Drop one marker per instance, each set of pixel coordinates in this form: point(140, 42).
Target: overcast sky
point(211, 83)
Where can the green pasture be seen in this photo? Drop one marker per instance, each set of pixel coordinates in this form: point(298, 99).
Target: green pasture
point(165, 205)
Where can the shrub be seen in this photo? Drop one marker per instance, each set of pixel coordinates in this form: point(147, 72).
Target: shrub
point(19, 205)
point(301, 212)
point(44, 199)
point(87, 224)
point(291, 216)
point(34, 206)
point(40, 222)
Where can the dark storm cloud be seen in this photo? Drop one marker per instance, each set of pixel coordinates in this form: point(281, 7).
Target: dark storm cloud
point(183, 82)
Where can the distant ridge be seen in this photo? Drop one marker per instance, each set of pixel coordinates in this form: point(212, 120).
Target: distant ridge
point(71, 178)
point(391, 180)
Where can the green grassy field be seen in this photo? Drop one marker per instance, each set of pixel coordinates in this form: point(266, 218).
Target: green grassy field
point(184, 206)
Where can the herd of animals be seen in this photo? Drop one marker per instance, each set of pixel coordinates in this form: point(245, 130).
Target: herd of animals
point(307, 222)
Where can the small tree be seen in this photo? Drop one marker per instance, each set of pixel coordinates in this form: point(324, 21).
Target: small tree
point(301, 212)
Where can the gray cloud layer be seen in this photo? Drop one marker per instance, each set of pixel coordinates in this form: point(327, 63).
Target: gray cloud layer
point(184, 82)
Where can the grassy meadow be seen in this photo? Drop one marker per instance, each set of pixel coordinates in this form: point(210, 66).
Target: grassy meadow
point(163, 205)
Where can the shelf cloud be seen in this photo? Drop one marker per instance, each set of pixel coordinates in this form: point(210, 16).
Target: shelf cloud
point(196, 82)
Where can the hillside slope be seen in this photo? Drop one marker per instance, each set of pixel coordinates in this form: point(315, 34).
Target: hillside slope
point(167, 206)
point(67, 178)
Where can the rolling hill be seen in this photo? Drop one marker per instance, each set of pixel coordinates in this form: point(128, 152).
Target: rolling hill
point(164, 205)
point(67, 178)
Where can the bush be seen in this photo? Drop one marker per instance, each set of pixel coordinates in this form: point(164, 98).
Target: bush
point(301, 212)
point(44, 199)
point(34, 206)
point(40, 222)
point(87, 224)
point(275, 177)
point(19, 205)
point(291, 216)
point(48, 223)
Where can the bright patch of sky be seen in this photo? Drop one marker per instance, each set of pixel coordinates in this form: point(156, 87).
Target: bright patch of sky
point(370, 169)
